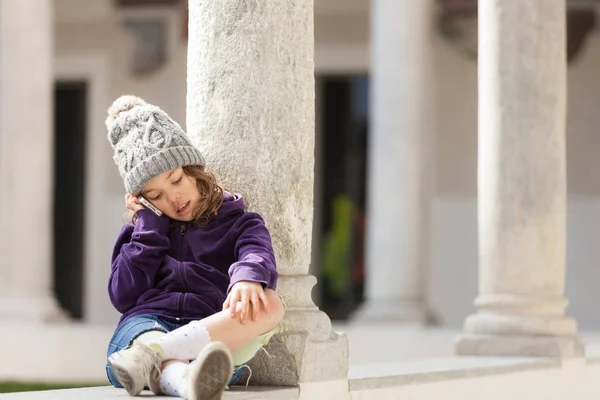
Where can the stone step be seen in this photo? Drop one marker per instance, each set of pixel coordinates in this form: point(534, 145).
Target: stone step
point(465, 378)
point(111, 393)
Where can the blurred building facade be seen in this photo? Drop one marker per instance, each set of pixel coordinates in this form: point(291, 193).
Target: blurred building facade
point(102, 49)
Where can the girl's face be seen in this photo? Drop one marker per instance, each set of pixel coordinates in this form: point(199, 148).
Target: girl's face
point(174, 193)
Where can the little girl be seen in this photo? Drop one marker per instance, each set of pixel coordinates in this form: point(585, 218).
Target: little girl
point(195, 280)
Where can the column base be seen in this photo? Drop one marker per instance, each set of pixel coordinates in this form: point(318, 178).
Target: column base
point(306, 351)
point(495, 334)
point(31, 310)
point(485, 323)
point(518, 346)
point(394, 310)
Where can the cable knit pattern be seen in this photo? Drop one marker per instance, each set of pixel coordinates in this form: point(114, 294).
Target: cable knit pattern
point(146, 142)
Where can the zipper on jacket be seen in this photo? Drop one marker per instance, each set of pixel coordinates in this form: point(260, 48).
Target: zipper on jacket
point(182, 232)
point(180, 305)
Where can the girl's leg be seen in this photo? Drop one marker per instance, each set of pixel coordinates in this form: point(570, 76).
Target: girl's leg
point(186, 342)
point(213, 367)
point(207, 375)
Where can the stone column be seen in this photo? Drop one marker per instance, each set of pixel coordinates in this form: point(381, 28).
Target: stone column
point(250, 108)
point(26, 169)
point(399, 158)
point(522, 183)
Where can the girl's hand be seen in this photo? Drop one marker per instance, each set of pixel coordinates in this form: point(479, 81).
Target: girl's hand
point(133, 203)
point(245, 299)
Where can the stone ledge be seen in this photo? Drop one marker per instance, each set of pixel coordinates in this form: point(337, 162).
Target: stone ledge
point(497, 377)
point(515, 346)
point(111, 393)
point(476, 379)
point(385, 375)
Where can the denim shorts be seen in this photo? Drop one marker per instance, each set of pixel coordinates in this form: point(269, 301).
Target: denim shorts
point(135, 326)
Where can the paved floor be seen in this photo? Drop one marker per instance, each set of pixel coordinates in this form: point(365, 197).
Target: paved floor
point(110, 393)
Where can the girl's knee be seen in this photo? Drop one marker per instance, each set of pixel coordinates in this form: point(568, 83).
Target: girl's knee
point(276, 308)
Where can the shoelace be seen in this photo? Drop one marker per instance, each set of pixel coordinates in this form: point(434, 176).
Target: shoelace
point(157, 368)
point(151, 370)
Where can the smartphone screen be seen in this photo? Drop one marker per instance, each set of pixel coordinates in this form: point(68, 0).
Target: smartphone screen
point(150, 206)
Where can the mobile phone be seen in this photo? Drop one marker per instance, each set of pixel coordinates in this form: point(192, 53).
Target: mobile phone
point(149, 205)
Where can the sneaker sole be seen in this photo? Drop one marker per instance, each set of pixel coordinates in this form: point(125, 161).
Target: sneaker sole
point(211, 374)
point(125, 379)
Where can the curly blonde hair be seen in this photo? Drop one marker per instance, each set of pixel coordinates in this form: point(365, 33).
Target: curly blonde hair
point(211, 198)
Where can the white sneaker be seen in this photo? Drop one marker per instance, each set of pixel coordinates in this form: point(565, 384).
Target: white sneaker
point(210, 373)
point(134, 366)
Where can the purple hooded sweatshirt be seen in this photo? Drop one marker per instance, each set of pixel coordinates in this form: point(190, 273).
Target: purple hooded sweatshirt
point(175, 270)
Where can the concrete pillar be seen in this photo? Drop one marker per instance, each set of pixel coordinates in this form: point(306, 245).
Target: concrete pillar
point(250, 108)
point(521, 183)
point(26, 168)
point(399, 161)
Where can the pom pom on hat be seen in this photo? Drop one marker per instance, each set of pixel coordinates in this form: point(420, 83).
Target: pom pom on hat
point(122, 104)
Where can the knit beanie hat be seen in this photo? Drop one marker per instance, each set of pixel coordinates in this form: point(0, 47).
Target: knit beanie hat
point(147, 142)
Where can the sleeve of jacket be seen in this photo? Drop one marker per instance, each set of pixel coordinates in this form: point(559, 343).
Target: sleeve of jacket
point(137, 255)
point(254, 252)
